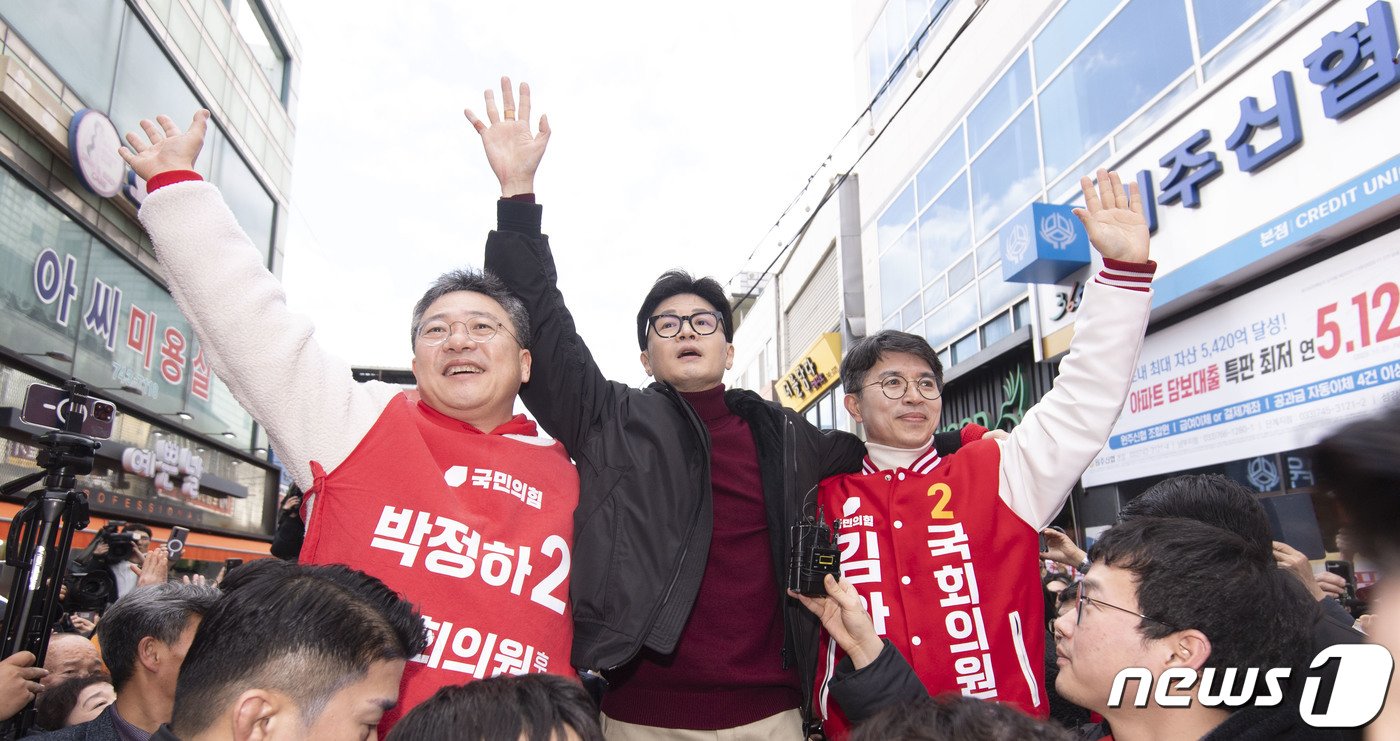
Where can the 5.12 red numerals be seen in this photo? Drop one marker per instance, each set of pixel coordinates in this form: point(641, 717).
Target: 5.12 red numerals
point(1385, 299)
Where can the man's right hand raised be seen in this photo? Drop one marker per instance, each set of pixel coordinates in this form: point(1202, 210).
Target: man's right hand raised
point(165, 148)
point(512, 150)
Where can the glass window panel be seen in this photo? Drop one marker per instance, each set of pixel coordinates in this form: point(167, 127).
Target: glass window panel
point(29, 225)
point(1112, 77)
point(267, 52)
point(148, 85)
point(1005, 96)
point(935, 293)
point(1154, 113)
point(896, 33)
point(988, 252)
point(245, 196)
point(960, 274)
point(829, 411)
point(944, 230)
point(1216, 20)
point(945, 358)
point(1066, 31)
point(843, 417)
point(965, 348)
point(1069, 179)
point(995, 293)
point(875, 58)
point(911, 313)
point(940, 168)
point(77, 39)
point(813, 416)
point(952, 320)
point(1007, 175)
point(996, 329)
point(1021, 314)
point(915, 17)
point(899, 271)
point(1248, 39)
point(891, 224)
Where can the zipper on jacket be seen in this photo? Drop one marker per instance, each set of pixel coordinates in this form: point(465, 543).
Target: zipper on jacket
point(685, 546)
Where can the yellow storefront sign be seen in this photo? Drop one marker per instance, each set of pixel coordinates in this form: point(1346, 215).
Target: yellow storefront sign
point(816, 371)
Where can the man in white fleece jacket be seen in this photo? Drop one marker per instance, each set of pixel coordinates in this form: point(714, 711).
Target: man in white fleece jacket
point(442, 493)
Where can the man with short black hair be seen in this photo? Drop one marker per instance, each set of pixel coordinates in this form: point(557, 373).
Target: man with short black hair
point(294, 652)
point(944, 550)
point(443, 491)
point(145, 636)
point(688, 489)
point(1171, 593)
point(505, 709)
point(1225, 503)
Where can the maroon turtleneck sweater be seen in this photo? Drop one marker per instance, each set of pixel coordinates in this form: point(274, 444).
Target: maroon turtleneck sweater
point(727, 669)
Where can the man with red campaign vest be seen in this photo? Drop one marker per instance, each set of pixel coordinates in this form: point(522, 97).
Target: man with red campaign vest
point(944, 551)
point(441, 493)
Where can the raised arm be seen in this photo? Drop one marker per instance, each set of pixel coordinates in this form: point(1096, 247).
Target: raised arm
point(1047, 453)
point(268, 357)
point(567, 392)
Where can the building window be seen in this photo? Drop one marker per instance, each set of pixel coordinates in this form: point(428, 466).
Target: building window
point(1089, 98)
point(252, 25)
point(77, 39)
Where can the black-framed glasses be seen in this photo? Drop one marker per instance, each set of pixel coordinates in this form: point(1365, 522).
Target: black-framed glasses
point(478, 329)
point(669, 325)
point(1083, 597)
point(895, 387)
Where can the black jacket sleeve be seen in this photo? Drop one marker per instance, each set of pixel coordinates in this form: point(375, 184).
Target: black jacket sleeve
point(567, 393)
point(286, 541)
point(888, 680)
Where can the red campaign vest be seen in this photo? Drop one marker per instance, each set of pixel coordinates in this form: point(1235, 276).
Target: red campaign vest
point(949, 573)
point(474, 529)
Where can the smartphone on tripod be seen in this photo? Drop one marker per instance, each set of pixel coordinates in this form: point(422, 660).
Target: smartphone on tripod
point(41, 533)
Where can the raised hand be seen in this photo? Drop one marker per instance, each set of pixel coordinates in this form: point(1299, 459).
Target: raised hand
point(1115, 222)
point(1060, 548)
point(513, 152)
point(154, 568)
point(845, 619)
point(165, 147)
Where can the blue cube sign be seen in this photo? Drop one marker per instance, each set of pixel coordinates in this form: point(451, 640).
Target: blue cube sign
point(1043, 244)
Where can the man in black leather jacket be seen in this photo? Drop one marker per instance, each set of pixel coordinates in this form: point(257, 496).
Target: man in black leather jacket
point(687, 490)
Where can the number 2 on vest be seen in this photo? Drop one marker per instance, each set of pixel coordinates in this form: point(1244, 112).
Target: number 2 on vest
point(944, 493)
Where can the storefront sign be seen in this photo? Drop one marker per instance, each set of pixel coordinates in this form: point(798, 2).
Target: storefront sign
point(92, 147)
point(1042, 244)
point(130, 333)
point(818, 370)
point(1273, 370)
point(1296, 143)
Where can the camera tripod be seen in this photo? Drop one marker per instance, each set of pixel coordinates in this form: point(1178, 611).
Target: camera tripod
point(40, 539)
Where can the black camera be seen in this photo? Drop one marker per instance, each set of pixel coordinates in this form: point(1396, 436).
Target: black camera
point(1348, 599)
point(814, 555)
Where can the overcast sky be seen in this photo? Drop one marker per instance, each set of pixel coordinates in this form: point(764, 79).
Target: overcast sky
point(680, 134)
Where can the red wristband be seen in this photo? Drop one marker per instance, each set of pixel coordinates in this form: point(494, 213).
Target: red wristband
point(170, 177)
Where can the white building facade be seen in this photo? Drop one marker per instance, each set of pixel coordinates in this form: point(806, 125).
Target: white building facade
point(1257, 132)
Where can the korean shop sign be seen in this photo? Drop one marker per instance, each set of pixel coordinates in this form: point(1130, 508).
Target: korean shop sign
point(816, 371)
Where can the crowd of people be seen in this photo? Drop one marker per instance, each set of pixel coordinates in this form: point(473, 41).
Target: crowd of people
point(452, 571)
